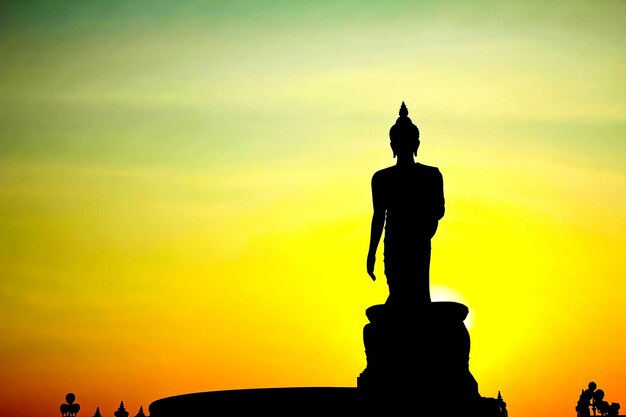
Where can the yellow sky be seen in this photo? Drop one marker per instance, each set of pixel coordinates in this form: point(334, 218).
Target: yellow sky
point(184, 199)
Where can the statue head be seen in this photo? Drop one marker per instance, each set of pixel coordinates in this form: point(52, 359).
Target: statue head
point(404, 135)
point(598, 395)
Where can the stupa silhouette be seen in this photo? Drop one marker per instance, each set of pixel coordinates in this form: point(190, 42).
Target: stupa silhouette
point(417, 351)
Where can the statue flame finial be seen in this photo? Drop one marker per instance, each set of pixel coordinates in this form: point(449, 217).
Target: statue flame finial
point(404, 112)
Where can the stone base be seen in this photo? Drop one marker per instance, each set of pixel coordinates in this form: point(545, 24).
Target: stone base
point(418, 353)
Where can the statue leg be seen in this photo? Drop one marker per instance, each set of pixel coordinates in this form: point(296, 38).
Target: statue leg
point(408, 276)
point(422, 272)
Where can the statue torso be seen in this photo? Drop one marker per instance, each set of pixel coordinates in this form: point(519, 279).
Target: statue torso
point(412, 197)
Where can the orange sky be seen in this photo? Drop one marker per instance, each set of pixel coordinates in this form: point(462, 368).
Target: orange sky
point(185, 201)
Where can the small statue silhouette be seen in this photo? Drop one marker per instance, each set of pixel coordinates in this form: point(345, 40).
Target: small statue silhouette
point(603, 406)
point(408, 203)
point(70, 408)
point(586, 400)
point(594, 398)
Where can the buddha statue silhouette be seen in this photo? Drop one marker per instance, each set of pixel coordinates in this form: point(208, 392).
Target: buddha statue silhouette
point(408, 203)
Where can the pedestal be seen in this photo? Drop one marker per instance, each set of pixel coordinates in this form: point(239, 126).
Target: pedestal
point(418, 358)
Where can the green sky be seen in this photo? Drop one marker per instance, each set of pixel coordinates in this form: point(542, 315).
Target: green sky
point(165, 163)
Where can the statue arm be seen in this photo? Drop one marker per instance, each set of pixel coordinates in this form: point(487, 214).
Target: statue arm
point(376, 230)
point(440, 202)
point(436, 207)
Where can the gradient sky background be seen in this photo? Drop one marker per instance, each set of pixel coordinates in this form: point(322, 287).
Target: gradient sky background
point(185, 201)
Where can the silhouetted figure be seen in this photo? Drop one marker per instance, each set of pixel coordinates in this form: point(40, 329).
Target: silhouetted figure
point(594, 398)
point(417, 350)
point(586, 400)
point(70, 408)
point(408, 203)
point(417, 355)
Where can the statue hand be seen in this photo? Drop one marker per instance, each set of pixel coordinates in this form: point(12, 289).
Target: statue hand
point(371, 261)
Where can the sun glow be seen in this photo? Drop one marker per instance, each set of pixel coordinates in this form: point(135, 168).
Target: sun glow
point(443, 293)
point(185, 192)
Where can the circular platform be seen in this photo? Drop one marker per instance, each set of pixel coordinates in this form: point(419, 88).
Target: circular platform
point(276, 401)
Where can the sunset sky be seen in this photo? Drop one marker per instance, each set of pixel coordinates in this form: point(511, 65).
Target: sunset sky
point(185, 193)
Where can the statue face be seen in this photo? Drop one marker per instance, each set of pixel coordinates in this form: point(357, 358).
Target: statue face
point(404, 147)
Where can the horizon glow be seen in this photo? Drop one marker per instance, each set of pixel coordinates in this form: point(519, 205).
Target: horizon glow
point(185, 201)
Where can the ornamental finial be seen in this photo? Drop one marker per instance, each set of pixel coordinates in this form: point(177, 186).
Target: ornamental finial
point(121, 411)
point(404, 112)
point(404, 130)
